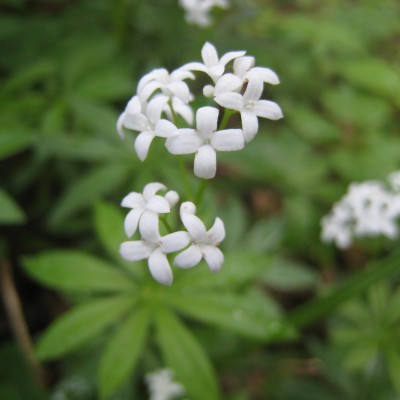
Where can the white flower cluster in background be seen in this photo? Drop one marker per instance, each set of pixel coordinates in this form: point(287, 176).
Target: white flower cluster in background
point(162, 386)
point(197, 12)
point(368, 209)
point(163, 97)
point(194, 244)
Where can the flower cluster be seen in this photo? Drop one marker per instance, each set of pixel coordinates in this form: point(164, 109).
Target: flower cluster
point(162, 385)
point(197, 12)
point(368, 209)
point(163, 97)
point(195, 243)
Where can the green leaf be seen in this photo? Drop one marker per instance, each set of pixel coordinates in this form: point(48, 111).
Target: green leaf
point(183, 353)
point(251, 315)
point(287, 275)
point(13, 141)
point(393, 361)
point(10, 212)
point(123, 351)
point(83, 192)
point(80, 325)
point(77, 271)
point(319, 307)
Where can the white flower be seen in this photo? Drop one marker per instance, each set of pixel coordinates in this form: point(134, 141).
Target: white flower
point(204, 243)
point(250, 107)
point(367, 209)
point(170, 84)
point(243, 67)
point(205, 141)
point(154, 248)
point(226, 83)
point(144, 118)
point(197, 11)
point(180, 108)
point(162, 386)
point(147, 206)
point(212, 64)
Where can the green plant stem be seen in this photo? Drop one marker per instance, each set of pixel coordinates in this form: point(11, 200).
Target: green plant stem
point(200, 191)
point(166, 224)
point(185, 179)
point(225, 119)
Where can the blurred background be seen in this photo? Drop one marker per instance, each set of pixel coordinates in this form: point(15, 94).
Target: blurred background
point(68, 68)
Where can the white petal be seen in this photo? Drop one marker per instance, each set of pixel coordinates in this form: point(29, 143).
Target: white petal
point(180, 75)
point(160, 268)
point(150, 76)
point(209, 55)
point(217, 233)
point(206, 121)
point(147, 90)
point(233, 101)
point(249, 124)
point(131, 221)
point(184, 110)
point(172, 197)
point(142, 144)
point(151, 189)
point(215, 72)
point(120, 125)
point(194, 225)
point(135, 250)
point(155, 108)
point(137, 122)
point(265, 74)
point(230, 56)
point(208, 91)
point(133, 200)
point(174, 241)
point(227, 83)
point(180, 89)
point(242, 64)
point(205, 162)
point(134, 106)
point(148, 227)
point(189, 257)
point(158, 204)
point(187, 207)
point(195, 66)
point(165, 128)
point(253, 91)
point(213, 256)
point(267, 109)
point(187, 142)
point(228, 140)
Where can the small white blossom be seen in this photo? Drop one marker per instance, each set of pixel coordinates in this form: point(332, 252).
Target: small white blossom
point(226, 83)
point(170, 84)
point(250, 107)
point(244, 68)
point(212, 64)
point(204, 243)
point(146, 207)
point(368, 209)
point(197, 12)
point(205, 141)
point(161, 385)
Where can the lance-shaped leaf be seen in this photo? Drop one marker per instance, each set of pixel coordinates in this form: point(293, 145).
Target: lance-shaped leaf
point(250, 315)
point(10, 213)
point(77, 271)
point(184, 354)
point(123, 352)
point(80, 325)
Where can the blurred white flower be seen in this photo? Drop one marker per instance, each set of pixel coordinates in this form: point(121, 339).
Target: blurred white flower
point(212, 64)
point(205, 141)
point(146, 207)
point(161, 385)
point(197, 12)
point(204, 243)
point(368, 209)
point(244, 68)
point(171, 84)
point(250, 107)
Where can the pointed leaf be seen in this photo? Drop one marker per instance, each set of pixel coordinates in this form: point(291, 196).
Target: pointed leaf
point(183, 353)
point(123, 351)
point(13, 141)
point(75, 270)
point(10, 212)
point(80, 325)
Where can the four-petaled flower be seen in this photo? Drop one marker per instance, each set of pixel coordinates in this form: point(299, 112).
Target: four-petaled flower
point(250, 107)
point(146, 207)
point(204, 243)
point(205, 141)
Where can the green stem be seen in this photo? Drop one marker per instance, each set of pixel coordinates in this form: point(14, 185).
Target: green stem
point(174, 117)
point(166, 224)
point(200, 191)
point(185, 179)
point(225, 119)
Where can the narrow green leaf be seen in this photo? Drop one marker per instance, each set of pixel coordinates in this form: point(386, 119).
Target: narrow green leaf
point(183, 353)
point(82, 193)
point(123, 351)
point(311, 311)
point(12, 141)
point(75, 270)
point(251, 315)
point(10, 212)
point(80, 325)
point(393, 361)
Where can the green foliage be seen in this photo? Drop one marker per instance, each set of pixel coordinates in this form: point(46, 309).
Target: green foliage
point(10, 212)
